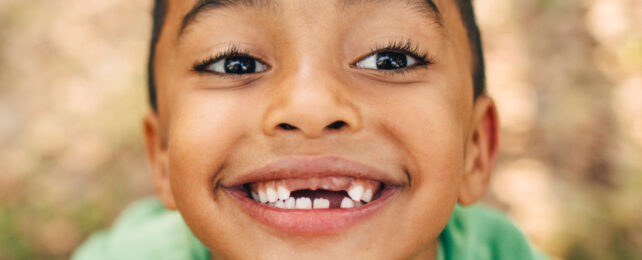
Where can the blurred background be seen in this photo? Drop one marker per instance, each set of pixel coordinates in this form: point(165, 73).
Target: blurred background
point(566, 75)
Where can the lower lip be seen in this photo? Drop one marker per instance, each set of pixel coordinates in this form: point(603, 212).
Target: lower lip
point(311, 221)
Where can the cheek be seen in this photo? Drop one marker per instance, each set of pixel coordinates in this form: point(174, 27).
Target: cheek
point(433, 140)
point(428, 125)
point(203, 128)
point(428, 128)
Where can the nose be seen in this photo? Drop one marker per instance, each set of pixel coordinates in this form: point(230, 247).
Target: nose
point(313, 105)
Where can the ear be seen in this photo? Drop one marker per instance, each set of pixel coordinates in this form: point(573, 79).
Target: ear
point(481, 151)
point(158, 159)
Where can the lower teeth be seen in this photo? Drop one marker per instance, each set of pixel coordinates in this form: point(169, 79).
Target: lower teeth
point(307, 203)
point(310, 203)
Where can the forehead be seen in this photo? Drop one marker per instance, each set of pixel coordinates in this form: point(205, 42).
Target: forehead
point(201, 7)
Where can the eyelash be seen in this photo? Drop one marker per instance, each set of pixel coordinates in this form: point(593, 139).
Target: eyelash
point(228, 52)
point(405, 47)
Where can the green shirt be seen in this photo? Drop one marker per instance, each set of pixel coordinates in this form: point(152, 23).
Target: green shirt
point(148, 231)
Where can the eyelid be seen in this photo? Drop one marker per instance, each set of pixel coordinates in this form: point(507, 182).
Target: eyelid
point(406, 47)
point(220, 65)
point(230, 51)
point(413, 61)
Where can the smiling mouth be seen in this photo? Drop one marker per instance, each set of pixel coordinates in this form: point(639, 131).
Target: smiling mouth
point(314, 196)
point(328, 192)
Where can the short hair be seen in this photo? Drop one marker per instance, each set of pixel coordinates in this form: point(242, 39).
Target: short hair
point(466, 12)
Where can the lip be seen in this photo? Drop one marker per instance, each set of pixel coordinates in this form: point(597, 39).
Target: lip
point(309, 167)
point(312, 221)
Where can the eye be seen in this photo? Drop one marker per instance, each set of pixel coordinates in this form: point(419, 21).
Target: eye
point(387, 61)
point(236, 65)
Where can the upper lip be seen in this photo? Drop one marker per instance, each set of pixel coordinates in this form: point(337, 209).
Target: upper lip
point(309, 167)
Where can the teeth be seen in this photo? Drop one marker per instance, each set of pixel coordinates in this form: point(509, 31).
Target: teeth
point(271, 193)
point(355, 192)
point(367, 195)
point(290, 203)
point(276, 193)
point(321, 204)
point(303, 203)
point(282, 192)
point(262, 197)
point(347, 203)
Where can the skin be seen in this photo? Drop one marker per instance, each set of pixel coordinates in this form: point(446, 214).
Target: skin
point(422, 127)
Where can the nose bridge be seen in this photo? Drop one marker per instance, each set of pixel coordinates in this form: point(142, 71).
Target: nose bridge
point(312, 101)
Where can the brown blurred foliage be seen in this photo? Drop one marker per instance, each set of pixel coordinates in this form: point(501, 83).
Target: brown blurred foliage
point(566, 75)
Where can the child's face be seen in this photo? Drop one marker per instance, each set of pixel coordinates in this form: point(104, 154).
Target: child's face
point(322, 98)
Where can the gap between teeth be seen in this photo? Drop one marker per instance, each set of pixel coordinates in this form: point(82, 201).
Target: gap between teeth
point(279, 196)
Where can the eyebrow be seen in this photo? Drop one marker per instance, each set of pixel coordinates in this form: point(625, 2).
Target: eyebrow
point(424, 6)
point(201, 6)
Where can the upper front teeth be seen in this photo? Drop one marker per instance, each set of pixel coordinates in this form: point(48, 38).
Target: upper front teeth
point(355, 192)
point(271, 194)
point(367, 195)
point(361, 191)
point(262, 197)
point(283, 192)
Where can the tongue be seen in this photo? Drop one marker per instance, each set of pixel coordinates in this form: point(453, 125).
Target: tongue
point(334, 197)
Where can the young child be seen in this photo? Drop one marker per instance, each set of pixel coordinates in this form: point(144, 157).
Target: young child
point(302, 129)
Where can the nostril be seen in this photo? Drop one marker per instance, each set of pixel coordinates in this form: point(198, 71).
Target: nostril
point(285, 126)
point(336, 125)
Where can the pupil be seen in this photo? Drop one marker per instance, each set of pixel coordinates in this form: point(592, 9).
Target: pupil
point(391, 61)
point(240, 65)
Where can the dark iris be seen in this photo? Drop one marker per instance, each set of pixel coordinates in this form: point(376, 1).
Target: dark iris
point(391, 61)
point(240, 65)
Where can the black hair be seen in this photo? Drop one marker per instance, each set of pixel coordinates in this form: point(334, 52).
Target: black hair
point(466, 12)
point(158, 14)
